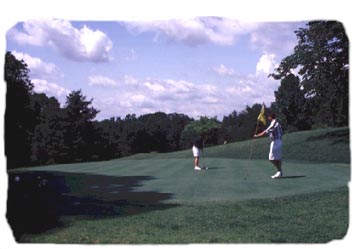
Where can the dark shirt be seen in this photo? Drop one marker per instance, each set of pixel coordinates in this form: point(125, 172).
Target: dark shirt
point(199, 143)
point(274, 130)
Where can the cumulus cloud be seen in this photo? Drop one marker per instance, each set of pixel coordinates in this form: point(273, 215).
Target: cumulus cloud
point(99, 80)
point(179, 86)
point(223, 70)
point(37, 67)
point(155, 87)
point(142, 101)
point(276, 37)
point(252, 88)
point(149, 95)
point(167, 95)
point(195, 31)
point(130, 80)
point(49, 88)
point(82, 44)
point(222, 31)
point(192, 98)
point(266, 64)
point(267, 37)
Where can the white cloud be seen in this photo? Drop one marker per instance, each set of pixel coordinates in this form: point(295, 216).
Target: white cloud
point(155, 87)
point(167, 95)
point(210, 100)
point(276, 37)
point(209, 89)
point(130, 80)
point(75, 44)
point(266, 64)
point(179, 86)
point(194, 98)
point(52, 89)
point(223, 70)
point(253, 88)
point(37, 67)
point(141, 101)
point(99, 80)
point(238, 90)
point(270, 37)
point(195, 31)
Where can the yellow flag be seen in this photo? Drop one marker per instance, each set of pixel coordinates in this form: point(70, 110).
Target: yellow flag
point(261, 116)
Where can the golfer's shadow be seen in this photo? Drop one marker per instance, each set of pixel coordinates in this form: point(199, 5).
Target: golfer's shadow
point(285, 177)
point(212, 168)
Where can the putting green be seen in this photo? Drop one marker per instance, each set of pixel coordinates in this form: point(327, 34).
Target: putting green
point(225, 180)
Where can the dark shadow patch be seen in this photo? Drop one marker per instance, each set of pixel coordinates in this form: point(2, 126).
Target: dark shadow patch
point(211, 168)
point(37, 200)
point(285, 177)
point(335, 137)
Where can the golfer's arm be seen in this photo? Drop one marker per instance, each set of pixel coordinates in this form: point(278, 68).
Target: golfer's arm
point(260, 134)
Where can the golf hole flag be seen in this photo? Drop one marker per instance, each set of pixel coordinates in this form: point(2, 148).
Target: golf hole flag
point(261, 116)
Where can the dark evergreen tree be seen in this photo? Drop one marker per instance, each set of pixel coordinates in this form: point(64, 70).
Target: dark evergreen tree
point(48, 138)
point(239, 126)
point(19, 120)
point(291, 106)
point(80, 136)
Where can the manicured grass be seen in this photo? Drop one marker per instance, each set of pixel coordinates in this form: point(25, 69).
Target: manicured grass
point(226, 179)
point(311, 218)
point(325, 145)
point(159, 198)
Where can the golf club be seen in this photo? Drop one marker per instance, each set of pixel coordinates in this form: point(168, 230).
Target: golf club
point(203, 158)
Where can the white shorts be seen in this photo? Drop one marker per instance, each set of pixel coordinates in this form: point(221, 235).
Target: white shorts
point(275, 150)
point(196, 151)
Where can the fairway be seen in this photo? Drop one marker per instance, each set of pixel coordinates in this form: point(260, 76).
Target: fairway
point(160, 198)
point(225, 180)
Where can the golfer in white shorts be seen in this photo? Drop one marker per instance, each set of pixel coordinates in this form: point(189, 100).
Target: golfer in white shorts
point(197, 149)
point(275, 133)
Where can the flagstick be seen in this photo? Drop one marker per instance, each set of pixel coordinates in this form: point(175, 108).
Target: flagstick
point(253, 140)
point(261, 116)
point(251, 150)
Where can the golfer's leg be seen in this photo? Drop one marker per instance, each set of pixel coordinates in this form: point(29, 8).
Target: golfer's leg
point(274, 162)
point(196, 161)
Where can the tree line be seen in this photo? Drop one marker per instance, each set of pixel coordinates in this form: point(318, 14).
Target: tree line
point(38, 131)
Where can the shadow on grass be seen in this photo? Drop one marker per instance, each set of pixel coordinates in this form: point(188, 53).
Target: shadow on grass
point(37, 200)
point(211, 168)
point(336, 137)
point(285, 177)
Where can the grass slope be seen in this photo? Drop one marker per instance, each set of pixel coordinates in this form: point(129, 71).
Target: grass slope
point(325, 145)
point(158, 198)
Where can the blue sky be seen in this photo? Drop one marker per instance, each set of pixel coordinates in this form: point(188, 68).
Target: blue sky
point(197, 66)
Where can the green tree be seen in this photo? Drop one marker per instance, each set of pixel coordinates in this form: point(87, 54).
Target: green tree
point(322, 57)
point(242, 125)
point(19, 120)
point(290, 104)
point(111, 139)
point(48, 138)
point(192, 131)
point(80, 138)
